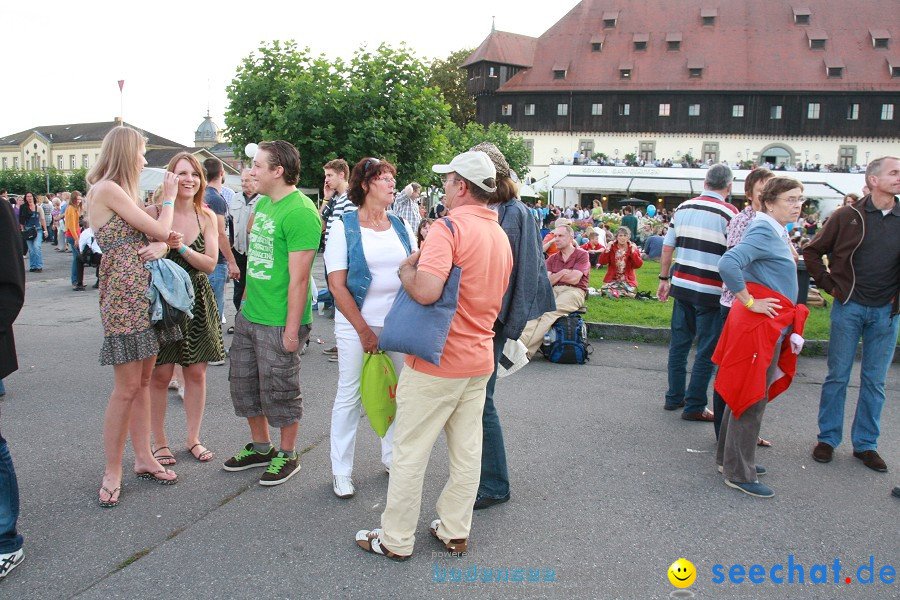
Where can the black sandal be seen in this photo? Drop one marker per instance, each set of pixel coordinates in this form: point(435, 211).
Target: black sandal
point(160, 459)
point(204, 456)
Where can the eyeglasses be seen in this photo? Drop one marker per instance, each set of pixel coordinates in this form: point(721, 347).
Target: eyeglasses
point(387, 179)
point(795, 201)
point(445, 180)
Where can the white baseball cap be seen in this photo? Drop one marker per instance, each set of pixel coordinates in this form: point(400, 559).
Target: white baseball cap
point(476, 166)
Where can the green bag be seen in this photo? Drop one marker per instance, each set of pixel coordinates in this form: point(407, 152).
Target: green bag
point(378, 388)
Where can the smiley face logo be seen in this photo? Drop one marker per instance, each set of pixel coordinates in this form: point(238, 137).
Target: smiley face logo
point(682, 573)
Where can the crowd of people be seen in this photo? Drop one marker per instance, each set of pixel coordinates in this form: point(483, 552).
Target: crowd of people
point(732, 276)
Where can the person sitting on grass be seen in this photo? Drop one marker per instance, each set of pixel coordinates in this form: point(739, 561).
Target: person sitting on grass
point(594, 248)
point(623, 256)
point(653, 245)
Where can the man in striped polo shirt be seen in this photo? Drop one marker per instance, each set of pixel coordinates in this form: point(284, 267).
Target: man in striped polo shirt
point(697, 232)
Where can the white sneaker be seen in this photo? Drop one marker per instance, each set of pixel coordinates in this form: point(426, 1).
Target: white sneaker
point(216, 363)
point(343, 486)
point(10, 561)
point(181, 392)
point(173, 384)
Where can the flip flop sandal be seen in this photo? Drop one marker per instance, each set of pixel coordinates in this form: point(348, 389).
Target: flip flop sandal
point(170, 458)
point(368, 541)
point(763, 443)
point(153, 476)
point(204, 456)
point(109, 503)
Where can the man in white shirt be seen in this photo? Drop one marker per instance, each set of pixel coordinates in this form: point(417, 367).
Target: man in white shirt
point(241, 208)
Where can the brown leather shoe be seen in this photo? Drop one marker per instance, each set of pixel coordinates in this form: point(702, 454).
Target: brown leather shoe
point(705, 416)
point(822, 453)
point(871, 459)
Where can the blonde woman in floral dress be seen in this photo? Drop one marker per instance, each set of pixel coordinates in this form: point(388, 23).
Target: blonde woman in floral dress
point(130, 342)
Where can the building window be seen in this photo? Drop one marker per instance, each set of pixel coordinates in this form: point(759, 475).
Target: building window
point(817, 44)
point(625, 73)
point(711, 152)
point(817, 39)
point(737, 110)
point(812, 110)
point(562, 110)
point(665, 110)
point(694, 110)
point(801, 16)
point(695, 73)
point(506, 109)
point(529, 110)
point(853, 112)
point(529, 145)
point(640, 46)
point(880, 38)
point(895, 71)
point(586, 147)
point(4, 163)
point(708, 16)
point(624, 110)
point(835, 72)
point(847, 156)
point(673, 45)
point(775, 112)
point(84, 161)
point(609, 19)
point(887, 112)
point(559, 74)
point(491, 72)
point(648, 151)
point(640, 41)
point(596, 46)
point(71, 161)
point(15, 162)
point(596, 109)
point(59, 162)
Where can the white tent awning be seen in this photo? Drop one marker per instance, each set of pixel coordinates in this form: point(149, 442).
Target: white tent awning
point(661, 186)
point(586, 182)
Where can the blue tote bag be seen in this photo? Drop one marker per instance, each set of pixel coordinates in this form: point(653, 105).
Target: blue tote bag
point(422, 329)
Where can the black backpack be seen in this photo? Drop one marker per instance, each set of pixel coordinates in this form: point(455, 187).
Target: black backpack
point(566, 342)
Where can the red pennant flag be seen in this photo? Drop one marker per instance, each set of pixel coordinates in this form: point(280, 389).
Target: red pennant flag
point(121, 84)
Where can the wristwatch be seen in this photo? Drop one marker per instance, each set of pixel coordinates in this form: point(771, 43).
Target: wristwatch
point(661, 278)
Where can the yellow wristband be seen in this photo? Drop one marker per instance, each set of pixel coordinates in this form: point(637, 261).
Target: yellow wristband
point(749, 302)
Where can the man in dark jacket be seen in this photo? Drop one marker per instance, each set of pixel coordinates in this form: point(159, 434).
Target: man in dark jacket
point(862, 241)
point(12, 297)
point(528, 296)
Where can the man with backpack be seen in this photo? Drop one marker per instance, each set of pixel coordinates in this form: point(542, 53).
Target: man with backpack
point(569, 271)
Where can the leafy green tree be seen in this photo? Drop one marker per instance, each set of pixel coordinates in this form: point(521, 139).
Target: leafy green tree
point(511, 145)
point(447, 75)
point(76, 181)
point(380, 104)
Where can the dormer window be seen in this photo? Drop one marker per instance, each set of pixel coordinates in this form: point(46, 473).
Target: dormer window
point(708, 16)
point(802, 16)
point(559, 74)
point(673, 41)
point(817, 39)
point(880, 38)
point(625, 70)
point(894, 67)
point(597, 43)
point(834, 68)
point(610, 18)
point(695, 68)
point(640, 41)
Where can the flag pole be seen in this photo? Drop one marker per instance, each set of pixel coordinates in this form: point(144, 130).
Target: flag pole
point(121, 101)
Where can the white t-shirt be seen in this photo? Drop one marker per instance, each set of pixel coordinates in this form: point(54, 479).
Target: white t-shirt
point(384, 252)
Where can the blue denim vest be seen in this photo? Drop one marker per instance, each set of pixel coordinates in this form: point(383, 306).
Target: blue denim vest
point(358, 276)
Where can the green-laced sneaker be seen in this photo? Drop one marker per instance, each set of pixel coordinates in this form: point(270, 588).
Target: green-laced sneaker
point(281, 469)
point(249, 458)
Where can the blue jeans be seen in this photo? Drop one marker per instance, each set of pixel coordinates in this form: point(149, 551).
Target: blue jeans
point(878, 330)
point(217, 281)
point(10, 540)
point(494, 474)
point(690, 321)
point(71, 243)
point(2, 388)
point(35, 258)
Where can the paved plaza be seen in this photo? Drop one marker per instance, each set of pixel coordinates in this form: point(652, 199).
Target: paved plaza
point(608, 489)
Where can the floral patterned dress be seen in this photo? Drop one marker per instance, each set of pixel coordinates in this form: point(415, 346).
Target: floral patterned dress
point(124, 304)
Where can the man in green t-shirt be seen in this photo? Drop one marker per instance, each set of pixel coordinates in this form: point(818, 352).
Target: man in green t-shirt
point(275, 317)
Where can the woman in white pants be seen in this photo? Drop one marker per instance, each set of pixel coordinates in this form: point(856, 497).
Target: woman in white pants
point(362, 256)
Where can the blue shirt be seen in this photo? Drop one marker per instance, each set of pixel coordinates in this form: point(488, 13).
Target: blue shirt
point(763, 256)
point(216, 203)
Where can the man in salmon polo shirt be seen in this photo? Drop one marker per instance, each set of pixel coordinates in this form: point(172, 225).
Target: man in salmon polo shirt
point(448, 398)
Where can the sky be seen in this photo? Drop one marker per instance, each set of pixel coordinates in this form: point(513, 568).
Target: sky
point(64, 62)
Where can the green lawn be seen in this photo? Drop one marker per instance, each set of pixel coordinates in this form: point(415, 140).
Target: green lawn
point(650, 313)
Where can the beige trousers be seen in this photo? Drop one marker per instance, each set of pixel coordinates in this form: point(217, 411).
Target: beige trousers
point(568, 300)
point(427, 405)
